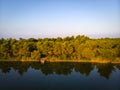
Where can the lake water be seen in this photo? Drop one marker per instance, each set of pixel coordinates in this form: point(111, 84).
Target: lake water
point(59, 76)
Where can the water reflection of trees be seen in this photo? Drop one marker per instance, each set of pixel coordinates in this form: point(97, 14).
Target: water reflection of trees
point(105, 69)
point(58, 68)
point(118, 66)
point(84, 68)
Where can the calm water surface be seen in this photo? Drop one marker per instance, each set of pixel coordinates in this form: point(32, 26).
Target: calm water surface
point(59, 76)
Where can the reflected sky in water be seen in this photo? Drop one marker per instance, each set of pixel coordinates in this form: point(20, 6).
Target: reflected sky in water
point(59, 76)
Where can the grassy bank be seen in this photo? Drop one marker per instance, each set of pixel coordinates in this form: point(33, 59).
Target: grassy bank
point(82, 61)
point(86, 61)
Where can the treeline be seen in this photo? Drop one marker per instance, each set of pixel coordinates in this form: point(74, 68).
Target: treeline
point(69, 48)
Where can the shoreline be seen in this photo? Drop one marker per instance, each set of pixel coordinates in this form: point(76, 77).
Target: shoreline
point(85, 61)
point(70, 61)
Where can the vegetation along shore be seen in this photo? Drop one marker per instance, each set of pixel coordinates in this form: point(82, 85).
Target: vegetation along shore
point(69, 49)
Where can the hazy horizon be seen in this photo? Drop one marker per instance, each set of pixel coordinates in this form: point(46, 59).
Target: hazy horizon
point(59, 18)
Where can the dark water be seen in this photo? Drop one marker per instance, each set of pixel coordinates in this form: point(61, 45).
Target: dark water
point(59, 76)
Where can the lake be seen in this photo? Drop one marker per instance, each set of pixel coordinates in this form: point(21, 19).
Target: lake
point(59, 76)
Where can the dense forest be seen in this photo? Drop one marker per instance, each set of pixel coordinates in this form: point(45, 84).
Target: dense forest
point(69, 48)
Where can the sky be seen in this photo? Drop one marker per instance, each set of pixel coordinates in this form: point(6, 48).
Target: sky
point(54, 18)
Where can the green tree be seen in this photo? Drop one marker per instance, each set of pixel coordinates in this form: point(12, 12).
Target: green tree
point(87, 53)
point(35, 55)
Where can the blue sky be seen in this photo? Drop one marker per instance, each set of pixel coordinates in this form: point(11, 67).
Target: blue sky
point(53, 18)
